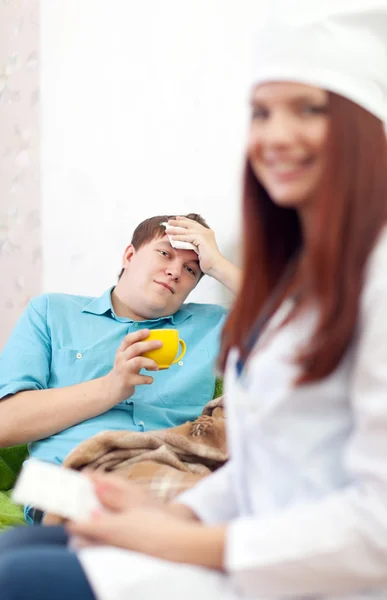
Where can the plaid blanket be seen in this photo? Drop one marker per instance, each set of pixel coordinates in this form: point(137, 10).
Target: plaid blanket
point(166, 462)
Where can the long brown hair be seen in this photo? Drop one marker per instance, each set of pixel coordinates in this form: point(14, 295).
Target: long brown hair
point(350, 212)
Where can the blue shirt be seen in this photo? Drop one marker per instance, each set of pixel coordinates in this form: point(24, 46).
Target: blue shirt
point(61, 340)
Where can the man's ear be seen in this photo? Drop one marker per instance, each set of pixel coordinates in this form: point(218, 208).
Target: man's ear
point(128, 254)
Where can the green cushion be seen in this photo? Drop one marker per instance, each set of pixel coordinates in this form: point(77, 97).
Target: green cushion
point(11, 460)
point(10, 514)
point(218, 388)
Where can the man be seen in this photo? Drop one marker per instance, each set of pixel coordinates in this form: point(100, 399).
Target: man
point(73, 364)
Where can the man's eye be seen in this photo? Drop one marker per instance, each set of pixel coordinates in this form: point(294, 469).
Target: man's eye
point(190, 270)
point(164, 253)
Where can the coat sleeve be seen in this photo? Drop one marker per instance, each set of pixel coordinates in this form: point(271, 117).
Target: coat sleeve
point(337, 545)
point(213, 499)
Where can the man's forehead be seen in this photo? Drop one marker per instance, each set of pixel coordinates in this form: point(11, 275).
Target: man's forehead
point(163, 242)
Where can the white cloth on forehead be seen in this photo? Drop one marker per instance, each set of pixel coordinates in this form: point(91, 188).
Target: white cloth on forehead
point(337, 45)
point(180, 245)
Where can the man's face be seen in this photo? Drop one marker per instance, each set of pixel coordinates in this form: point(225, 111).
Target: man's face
point(157, 278)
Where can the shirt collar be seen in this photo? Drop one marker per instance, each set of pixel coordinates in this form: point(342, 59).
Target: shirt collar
point(103, 305)
point(100, 305)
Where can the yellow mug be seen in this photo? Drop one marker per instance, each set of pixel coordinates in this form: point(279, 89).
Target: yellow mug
point(165, 356)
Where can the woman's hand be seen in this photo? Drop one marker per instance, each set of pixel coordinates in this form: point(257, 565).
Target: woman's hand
point(117, 495)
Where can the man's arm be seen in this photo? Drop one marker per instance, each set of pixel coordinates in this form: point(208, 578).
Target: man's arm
point(29, 411)
point(227, 274)
point(28, 416)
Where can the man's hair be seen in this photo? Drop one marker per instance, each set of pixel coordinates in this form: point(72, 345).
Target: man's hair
point(151, 229)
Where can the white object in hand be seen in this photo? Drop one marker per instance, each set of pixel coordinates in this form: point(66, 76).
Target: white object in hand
point(52, 488)
point(180, 245)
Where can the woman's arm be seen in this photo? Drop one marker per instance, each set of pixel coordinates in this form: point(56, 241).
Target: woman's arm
point(172, 531)
point(158, 533)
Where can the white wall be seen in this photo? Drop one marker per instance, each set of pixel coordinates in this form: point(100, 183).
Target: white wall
point(144, 111)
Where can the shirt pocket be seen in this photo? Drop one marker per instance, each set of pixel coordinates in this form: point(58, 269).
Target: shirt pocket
point(190, 384)
point(70, 366)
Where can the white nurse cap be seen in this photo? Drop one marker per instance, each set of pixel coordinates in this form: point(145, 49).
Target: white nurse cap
point(337, 45)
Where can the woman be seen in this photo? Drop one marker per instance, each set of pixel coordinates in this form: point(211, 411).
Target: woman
point(300, 510)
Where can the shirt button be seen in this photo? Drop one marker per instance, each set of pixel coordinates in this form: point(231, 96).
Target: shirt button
point(136, 324)
point(79, 355)
point(141, 423)
point(180, 363)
